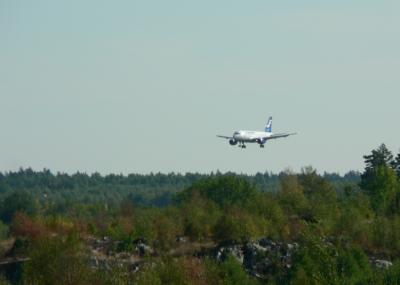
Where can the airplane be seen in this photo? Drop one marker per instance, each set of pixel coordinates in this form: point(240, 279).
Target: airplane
point(261, 138)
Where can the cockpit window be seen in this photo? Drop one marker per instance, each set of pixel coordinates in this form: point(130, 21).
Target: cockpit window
point(237, 133)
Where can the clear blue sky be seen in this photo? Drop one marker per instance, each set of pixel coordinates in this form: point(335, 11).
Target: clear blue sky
point(141, 86)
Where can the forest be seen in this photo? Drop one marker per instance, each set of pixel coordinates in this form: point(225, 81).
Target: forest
point(217, 228)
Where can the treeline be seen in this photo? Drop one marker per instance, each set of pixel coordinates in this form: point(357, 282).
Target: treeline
point(30, 179)
point(338, 223)
point(60, 191)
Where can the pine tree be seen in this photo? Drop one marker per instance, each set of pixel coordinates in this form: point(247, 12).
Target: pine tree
point(379, 157)
point(379, 179)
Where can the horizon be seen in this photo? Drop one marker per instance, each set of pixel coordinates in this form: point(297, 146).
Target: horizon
point(213, 172)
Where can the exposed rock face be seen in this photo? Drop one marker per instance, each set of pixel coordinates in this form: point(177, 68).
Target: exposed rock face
point(260, 258)
point(223, 252)
point(265, 257)
point(380, 263)
point(103, 254)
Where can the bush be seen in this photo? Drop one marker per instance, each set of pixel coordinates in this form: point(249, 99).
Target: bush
point(238, 225)
point(229, 272)
point(57, 261)
point(200, 217)
point(24, 226)
point(320, 262)
point(165, 271)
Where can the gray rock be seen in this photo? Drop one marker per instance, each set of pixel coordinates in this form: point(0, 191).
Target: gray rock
point(181, 239)
point(383, 264)
point(236, 251)
point(292, 246)
point(266, 242)
point(143, 249)
point(263, 258)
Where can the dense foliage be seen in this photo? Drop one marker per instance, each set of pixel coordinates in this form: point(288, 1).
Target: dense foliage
point(339, 223)
point(60, 192)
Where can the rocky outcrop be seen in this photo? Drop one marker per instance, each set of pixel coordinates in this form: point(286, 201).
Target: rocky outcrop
point(260, 258)
point(381, 263)
point(264, 257)
point(103, 253)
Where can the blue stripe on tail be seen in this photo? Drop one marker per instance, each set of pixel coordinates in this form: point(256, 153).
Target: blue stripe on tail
point(268, 128)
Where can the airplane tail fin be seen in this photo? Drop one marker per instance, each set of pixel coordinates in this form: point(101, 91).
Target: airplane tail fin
point(268, 128)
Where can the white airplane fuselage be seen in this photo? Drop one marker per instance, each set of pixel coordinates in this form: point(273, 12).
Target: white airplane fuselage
point(250, 136)
point(260, 137)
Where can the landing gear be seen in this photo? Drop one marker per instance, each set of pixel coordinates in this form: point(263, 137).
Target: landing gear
point(261, 145)
point(242, 145)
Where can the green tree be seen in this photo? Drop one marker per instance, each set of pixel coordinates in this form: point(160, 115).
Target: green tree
point(225, 191)
point(322, 198)
point(314, 263)
point(291, 194)
point(239, 225)
point(381, 156)
point(320, 262)
point(380, 182)
point(228, 272)
point(18, 201)
point(200, 216)
point(57, 261)
point(269, 216)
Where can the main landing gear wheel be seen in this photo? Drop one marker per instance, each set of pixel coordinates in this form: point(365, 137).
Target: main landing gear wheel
point(261, 145)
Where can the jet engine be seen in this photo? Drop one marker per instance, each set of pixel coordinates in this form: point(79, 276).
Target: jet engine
point(233, 142)
point(261, 141)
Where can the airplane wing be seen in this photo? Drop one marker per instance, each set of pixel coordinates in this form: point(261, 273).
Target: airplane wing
point(224, 137)
point(283, 135)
